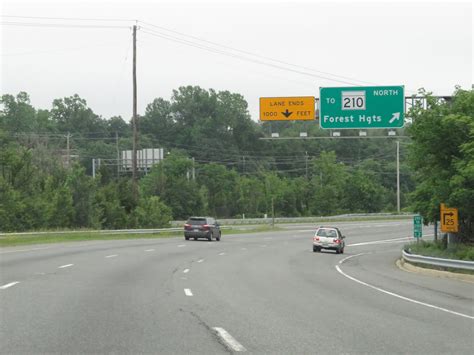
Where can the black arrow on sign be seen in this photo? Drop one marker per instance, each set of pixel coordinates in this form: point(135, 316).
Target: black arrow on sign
point(447, 214)
point(287, 113)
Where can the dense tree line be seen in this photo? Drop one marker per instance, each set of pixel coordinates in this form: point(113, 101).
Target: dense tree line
point(216, 163)
point(442, 155)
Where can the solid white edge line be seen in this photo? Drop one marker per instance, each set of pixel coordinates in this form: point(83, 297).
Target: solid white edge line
point(395, 294)
point(188, 292)
point(20, 250)
point(186, 271)
point(4, 287)
point(111, 256)
point(64, 266)
point(228, 339)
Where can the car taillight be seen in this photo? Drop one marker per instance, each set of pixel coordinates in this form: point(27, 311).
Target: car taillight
point(337, 241)
point(316, 239)
point(206, 226)
point(187, 226)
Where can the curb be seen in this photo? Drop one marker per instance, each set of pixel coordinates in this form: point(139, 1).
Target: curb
point(406, 266)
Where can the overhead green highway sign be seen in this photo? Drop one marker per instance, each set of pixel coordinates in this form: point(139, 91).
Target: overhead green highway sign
point(362, 107)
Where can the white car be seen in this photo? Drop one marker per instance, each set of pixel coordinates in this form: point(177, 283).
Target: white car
point(328, 238)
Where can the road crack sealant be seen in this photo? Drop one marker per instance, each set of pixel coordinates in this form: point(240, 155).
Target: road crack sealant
point(210, 329)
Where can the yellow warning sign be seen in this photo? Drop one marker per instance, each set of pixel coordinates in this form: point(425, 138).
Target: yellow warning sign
point(287, 108)
point(449, 219)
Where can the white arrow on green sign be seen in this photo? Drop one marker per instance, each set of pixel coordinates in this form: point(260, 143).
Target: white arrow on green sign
point(362, 107)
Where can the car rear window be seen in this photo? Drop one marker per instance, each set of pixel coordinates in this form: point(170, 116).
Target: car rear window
point(327, 233)
point(199, 221)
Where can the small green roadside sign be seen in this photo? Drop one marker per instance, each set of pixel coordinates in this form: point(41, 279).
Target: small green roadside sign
point(417, 226)
point(362, 107)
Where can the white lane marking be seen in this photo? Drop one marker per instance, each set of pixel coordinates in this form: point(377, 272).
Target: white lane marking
point(20, 250)
point(200, 260)
point(228, 339)
point(395, 294)
point(395, 240)
point(186, 271)
point(243, 248)
point(221, 253)
point(150, 250)
point(181, 245)
point(65, 266)
point(111, 256)
point(188, 292)
point(4, 287)
point(263, 246)
point(388, 241)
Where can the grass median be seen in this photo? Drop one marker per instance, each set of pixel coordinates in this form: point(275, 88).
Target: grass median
point(74, 236)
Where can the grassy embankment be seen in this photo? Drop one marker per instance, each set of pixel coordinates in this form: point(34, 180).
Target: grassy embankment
point(60, 237)
point(438, 250)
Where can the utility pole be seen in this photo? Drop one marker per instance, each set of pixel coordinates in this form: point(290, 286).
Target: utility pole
point(134, 119)
point(68, 150)
point(118, 154)
point(398, 176)
point(306, 163)
point(194, 171)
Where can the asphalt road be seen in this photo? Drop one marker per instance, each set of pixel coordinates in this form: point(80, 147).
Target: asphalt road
point(259, 293)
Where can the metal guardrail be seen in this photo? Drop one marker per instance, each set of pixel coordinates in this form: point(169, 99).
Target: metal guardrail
point(268, 220)
point(104, 232)
point(429, 260)
point(177, 226)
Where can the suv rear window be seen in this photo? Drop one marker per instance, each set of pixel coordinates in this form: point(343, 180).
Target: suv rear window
point(199, 221)
point(327, 233)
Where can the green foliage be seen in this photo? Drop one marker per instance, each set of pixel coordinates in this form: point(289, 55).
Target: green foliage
point(235, 172)
point(442, 154)
point(152, 213)
point(438, 250)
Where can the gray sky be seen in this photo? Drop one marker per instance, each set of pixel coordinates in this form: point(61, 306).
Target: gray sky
point(423, 44)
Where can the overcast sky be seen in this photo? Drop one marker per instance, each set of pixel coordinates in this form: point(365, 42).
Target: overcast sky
point(421, 44)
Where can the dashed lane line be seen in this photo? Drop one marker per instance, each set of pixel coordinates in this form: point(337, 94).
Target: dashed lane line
point(185, 271)
point(65, 266)
point(150, 250)
point(229, 340)
point(188, 292)
point(181, 245)
point(221, 253)
point(111, 256)
point(393, 293)
point(200, 260)
point(4, 287)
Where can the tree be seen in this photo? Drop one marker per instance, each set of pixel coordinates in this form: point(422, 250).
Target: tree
point(328, 182)
point(17, 114)
point(152, 213)
point(442, 155)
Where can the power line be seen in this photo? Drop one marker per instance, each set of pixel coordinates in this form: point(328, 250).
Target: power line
point(233, 55)
point(67, 18)
point(250, 53)
point(57, 25)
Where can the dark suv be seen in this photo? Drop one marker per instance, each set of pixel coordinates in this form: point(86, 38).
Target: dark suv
point(202, 227)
